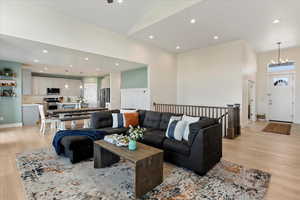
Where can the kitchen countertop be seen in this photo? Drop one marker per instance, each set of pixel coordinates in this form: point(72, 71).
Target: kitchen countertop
point(32, 104)
point(68, 103)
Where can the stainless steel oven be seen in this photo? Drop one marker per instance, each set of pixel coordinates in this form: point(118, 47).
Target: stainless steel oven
point(51, 103)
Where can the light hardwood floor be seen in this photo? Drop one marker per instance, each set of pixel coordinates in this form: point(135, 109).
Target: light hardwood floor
point(276, 154)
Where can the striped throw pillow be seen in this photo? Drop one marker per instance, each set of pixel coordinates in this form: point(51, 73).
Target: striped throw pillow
point(118, 120)
point(176, 129)
point(189, 121)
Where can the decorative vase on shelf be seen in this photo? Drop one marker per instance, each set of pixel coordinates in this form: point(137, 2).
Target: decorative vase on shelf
point(132, 145)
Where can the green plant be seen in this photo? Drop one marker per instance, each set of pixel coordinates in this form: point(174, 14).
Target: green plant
point(81, 100)
point(136, 133)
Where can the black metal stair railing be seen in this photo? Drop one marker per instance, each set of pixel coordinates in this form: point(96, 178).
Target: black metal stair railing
point(228, 116)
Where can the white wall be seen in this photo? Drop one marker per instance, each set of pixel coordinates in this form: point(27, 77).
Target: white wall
point(105, 82)
point(264, 59)
point(48, 26)
point(115, 90)
point(211, 76)
point(217, 75)
point(249, 70)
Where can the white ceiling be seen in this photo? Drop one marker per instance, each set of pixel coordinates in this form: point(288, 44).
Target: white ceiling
point(127, 17)
point(249, 20)
point(168, 20)
point(59, 59)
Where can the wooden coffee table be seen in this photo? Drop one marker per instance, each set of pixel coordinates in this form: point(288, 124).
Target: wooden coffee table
point(148, 162)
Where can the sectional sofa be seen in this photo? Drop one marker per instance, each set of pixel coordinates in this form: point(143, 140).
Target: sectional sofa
point(200, 153)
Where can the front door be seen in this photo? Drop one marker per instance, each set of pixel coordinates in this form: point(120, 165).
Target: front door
point(281, 97)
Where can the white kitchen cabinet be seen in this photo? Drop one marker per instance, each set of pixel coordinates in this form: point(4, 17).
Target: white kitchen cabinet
point(44, 84)
point(40, 85)
point(30, 114)
point(35, 86)
point(26, 82)
point(59, 83)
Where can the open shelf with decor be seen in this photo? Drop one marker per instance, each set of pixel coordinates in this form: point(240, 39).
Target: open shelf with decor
point(7, 73)
point(7, 83)
point(7, 92)
point(5, 77)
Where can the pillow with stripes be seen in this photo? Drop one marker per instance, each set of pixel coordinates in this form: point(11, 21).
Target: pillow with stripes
point(176, 129)
point(118, 120)
point(189, 121)
point(172, 118)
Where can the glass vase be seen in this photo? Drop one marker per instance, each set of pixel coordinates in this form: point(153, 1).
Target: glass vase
point(132, 145)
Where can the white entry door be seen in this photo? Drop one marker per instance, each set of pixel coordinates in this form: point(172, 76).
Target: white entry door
point(281, 97)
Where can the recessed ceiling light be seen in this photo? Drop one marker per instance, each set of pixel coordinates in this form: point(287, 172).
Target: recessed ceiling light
point(45, 51)
point(86, 59)
point(177, 47)
point(117, 64)
point(71, 65)
point(36, 60)
point(193, 21)
point(216, 37)
point(120, 1)
point(151, 37)
point(276, 21)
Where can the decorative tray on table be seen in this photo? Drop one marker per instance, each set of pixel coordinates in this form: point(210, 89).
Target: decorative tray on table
point(118, 140)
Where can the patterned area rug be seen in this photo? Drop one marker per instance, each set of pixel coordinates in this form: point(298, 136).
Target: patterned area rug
point(46, 176)
point(279, 128)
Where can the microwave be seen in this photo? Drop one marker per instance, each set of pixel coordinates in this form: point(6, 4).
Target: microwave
point(53, 91)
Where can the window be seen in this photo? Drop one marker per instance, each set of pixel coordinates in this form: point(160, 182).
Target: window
point(284, 67)
point(279, 82)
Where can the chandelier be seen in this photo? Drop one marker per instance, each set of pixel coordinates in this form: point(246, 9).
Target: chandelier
point(279, 61)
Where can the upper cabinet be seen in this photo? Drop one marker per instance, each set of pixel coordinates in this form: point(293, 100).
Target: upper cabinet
point(27, 82)
point(68, 87)
point(40, 85)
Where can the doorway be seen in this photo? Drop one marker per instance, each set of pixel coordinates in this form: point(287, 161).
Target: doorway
point(281, 97)
point(251, 101)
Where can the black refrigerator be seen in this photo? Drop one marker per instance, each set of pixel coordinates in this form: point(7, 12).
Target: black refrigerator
point(104, 96)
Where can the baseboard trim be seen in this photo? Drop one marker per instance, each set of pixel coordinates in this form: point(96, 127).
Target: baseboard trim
point(12, 125)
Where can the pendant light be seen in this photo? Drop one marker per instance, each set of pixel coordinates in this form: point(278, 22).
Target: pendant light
point(279, 61)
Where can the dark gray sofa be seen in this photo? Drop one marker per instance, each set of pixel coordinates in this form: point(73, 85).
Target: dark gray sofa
point(200, 153)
